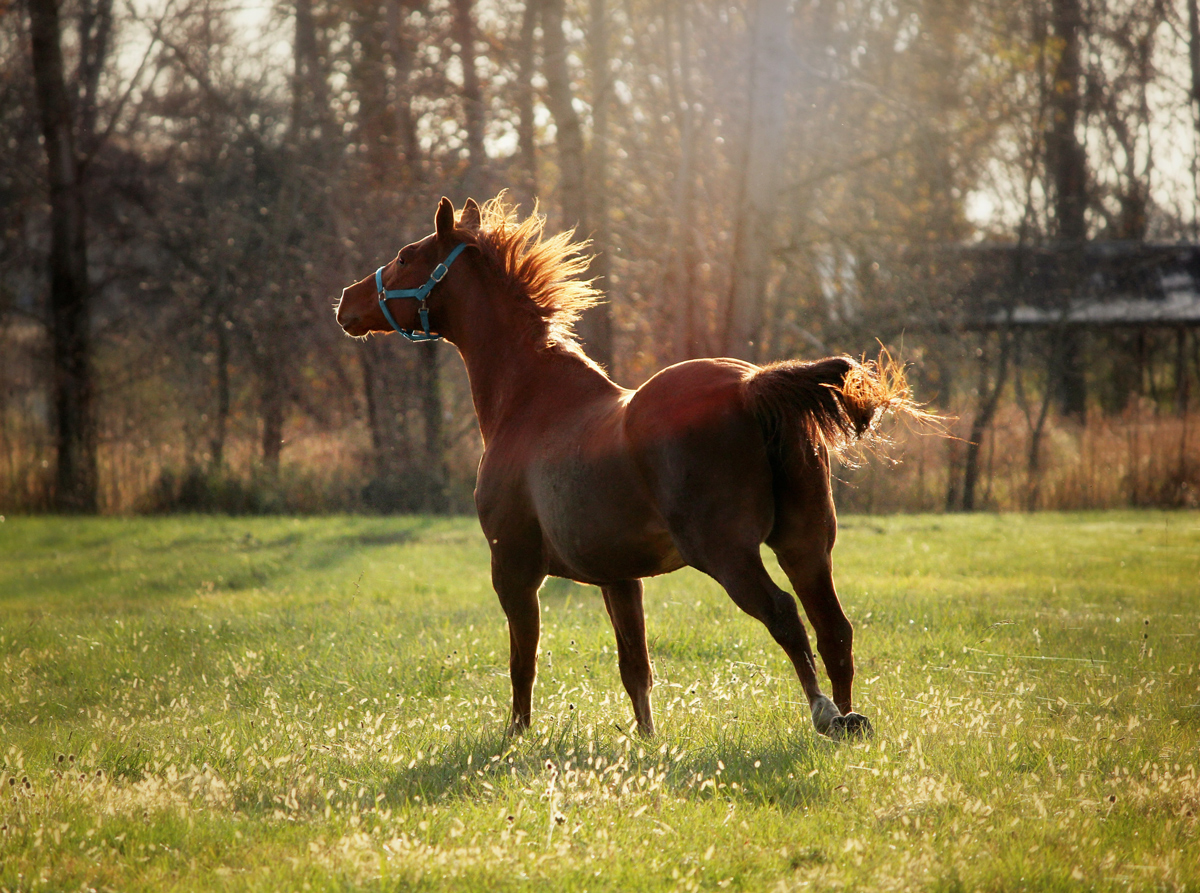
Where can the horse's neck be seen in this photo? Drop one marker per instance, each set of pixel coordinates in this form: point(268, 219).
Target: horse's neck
point(509, 374)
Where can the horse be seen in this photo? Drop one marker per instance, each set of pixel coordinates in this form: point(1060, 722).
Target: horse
point(583, 479)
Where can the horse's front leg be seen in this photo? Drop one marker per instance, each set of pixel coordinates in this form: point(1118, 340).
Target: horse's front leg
point(517, 587)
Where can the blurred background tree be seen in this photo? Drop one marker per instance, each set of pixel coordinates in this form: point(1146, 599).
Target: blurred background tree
point(186, 185)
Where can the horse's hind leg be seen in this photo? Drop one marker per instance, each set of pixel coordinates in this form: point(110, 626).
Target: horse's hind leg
point(812, 579)
point(753, 590)
point(624, 604)
point(803, 537)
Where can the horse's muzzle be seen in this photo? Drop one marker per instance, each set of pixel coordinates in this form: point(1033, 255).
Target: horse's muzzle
point(349, 319)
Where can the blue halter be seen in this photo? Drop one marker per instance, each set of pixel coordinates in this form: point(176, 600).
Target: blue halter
point(418, 294)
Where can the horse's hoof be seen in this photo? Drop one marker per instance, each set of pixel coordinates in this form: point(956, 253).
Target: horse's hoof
point(851, 727)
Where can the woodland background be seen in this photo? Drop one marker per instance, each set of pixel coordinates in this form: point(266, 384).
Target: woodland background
point(186, 186)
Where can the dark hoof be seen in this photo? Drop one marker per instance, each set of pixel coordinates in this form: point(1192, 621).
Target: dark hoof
point(851, 727)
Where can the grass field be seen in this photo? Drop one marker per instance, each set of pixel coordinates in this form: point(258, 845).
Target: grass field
point(280, 704)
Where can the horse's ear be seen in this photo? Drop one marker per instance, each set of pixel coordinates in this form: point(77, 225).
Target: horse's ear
point(469, 218)
point(444, 222)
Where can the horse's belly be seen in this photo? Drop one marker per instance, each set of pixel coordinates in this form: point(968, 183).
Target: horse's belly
point(599, 524)
point(629, 564)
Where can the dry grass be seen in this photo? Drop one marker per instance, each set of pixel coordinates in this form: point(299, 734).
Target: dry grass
point(1141, 458)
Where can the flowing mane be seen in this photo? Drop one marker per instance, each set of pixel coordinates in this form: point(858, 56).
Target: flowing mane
point(543, 269)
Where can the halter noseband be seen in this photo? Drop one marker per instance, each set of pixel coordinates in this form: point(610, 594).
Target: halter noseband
point(418, 294)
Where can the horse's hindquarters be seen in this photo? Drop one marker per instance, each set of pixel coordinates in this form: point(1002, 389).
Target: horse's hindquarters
point(704, 459)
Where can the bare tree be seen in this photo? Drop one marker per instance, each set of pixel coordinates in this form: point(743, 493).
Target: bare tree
point(573, 161)
point(526, 186)
point(1067, 162)
point(475, 177)
point(754, 237)
point(680, 275)
point(572, 156)
point(70, 293)
point(598, 323)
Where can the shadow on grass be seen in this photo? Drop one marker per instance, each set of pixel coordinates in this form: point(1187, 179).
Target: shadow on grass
point(781, 773)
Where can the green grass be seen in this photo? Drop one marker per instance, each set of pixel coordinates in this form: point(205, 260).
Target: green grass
point(270, 704)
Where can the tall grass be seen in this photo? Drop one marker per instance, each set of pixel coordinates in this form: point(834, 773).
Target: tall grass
point(1142, 457)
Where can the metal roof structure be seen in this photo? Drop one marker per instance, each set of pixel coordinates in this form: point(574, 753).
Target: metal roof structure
point(1119, 284)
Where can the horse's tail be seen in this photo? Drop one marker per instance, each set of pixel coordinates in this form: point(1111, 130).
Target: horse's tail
point(835, 402)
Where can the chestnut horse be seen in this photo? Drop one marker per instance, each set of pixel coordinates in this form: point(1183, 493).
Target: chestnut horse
point(583, 479)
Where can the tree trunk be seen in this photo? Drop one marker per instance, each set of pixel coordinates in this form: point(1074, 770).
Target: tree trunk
point(597, 322)
point(400, 48)
point(941, 222)
point(1072, 382)
point(310, 96)
point(681, 274)
point(95, 29)
point(1194, 51)
point(526, 179)
point(596, 326)
point(989, 400)
point(572, 187)
point(272, 408)
point(372, 407)
point(221, 422)
point(760, 185)
point(1033, 464)
point(70, 327)
point(1067, 163)
point(369, 80)
point(434, 470)
point(953, 450)
point(474, 178)
point(1181, 372)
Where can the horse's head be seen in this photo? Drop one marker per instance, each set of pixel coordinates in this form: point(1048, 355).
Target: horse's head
point(415, 272)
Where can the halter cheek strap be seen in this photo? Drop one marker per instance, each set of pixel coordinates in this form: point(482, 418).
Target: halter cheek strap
point(418, 294)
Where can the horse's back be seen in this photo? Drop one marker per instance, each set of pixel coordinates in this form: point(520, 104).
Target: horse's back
point(703, 455)
point(689, 397)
